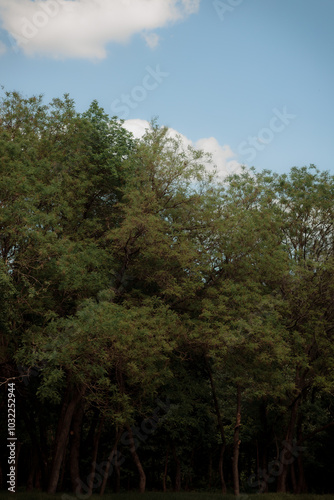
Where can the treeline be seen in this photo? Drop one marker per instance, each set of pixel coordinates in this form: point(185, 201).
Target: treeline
point(164, 330)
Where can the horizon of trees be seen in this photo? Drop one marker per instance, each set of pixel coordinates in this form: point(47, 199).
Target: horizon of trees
point(164, 329)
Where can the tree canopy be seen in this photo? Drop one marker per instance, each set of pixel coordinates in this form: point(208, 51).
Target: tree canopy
point(151, 312)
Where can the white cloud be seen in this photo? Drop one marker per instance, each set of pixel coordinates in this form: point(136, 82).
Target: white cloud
point(222, 156)
point(83, 28)
point(137, 127)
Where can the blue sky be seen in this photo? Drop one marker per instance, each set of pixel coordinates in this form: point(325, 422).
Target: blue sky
point(249, 80)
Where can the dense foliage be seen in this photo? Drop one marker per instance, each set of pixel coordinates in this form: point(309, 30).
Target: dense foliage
point(161, 327)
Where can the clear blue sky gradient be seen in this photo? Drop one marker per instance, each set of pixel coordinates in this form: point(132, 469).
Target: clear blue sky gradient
point(227, 74)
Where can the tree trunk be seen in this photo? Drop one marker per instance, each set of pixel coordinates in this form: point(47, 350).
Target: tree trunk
point(236, 445)
point(142, 476)
point(75, 450)
point(302, 484)
point(118, 478)
point(61, 439)
point(39, 444)
point(189, 478)
point(210, 470)
point(38, 479)
point(257, 458)
point(43, 476)
point(221, 468)
point(63, 467)
point(35, 473)
point(96, 442)
point(177, 484)
point(264, 483)
point(265, 438)
point(32, 472)
point(108, 464)
point(293, 478)
point(220, 426)
point(286, 454)
point(89, 440)
point(164, 479)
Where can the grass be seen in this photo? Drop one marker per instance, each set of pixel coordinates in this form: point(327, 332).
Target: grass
point(37, 495)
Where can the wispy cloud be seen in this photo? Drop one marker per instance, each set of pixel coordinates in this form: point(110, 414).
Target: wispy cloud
point(222, 156)
point(83, 28)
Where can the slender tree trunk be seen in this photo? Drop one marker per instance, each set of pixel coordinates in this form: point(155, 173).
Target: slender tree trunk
point(293, 478)
point(38, 470)
point(119, 378)
point(38, 443)
point(91, 434)
point(75, 449)
point(61, 439)
point(220, 426)
point(177, 485)
point(281, 482)
point(164, 479)
point(236, 445)
point(257, 458)
point(106, 472)
point(142, 475)
point(63, 467)
point(43, 450)
point(189, 478)
point(33, 468)
point(221, 468)
point(302, 484)
point(38, 478)
point(96, 441)
point(118, 477)
point(265, 438)
point(210, 470)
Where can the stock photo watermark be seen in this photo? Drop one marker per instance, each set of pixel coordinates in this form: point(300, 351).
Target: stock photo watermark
point(30, 27)
point(11, 439)
point(153, 78)
point(105, 469)
point(264, 477)
point(226, 7)
point(254, 144)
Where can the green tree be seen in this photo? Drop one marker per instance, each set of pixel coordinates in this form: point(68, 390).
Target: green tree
point(305, 198)
point(58, 190)
point(127, 272)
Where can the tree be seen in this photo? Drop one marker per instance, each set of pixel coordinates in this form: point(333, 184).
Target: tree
point(128, 272)
point(307, 233)
point(62, 191)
